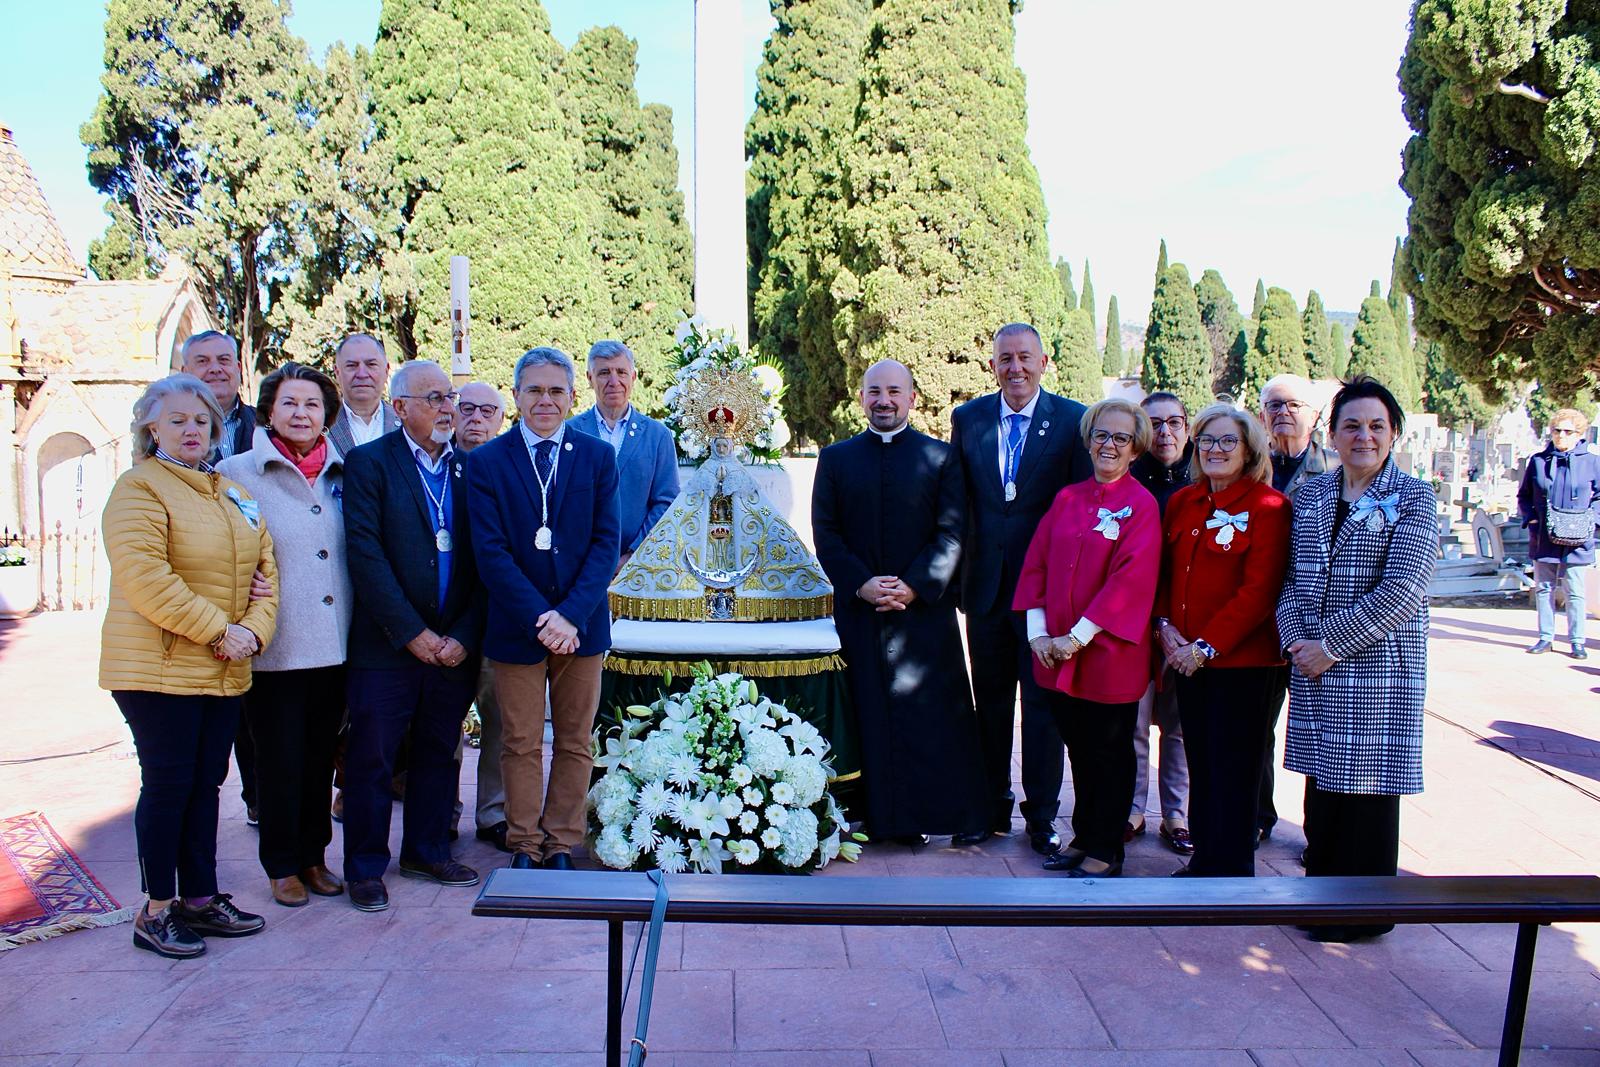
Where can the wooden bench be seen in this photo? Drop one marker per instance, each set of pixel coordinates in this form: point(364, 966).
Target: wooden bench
point(617, 897)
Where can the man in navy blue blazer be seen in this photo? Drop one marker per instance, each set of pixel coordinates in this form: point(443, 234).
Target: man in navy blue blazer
point(543, 508)
point(647, 458)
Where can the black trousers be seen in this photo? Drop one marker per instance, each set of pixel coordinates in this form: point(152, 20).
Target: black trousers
point(1099, 740)
point(1266, 808)
point(294, 719)
point(1227, 716)
point(1352, 834)
point(183, 743)
point(1001, 661)
point(244, 754)
point(385, 704)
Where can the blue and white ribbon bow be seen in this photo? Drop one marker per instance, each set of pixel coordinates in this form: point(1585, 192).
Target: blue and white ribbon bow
point(1375, 512)
point(249, 508)
point(1110, 525)
point(1225, 524)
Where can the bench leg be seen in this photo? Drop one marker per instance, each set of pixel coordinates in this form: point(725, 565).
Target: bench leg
point(1517, 997)
point(614, 992)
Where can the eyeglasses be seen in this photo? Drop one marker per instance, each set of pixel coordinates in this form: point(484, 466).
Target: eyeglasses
point(1174, 424)
point(469, 409)
point(555, 392)
point(433, 400)
point(1208, 443)
point(1121, 440)
point(1293, 407)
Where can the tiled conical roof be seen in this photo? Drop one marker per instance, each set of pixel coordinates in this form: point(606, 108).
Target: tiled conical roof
point(31, 242)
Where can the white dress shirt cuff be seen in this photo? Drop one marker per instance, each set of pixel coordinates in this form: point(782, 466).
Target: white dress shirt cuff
point(1036, 627)
point(1083, 632)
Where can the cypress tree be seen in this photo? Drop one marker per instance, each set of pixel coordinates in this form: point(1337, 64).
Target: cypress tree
point(1458, 402)
point(1315, 335)
point(1260, 300)
point(646, 291)
point(490, 165)
point(1225, 332)
point(1161, 262)
point(1087, 303)
point(1400, 308)
point(1177, 354)
point(1374, 349)
point(807, 87)
point(1077, 363)
point(1279, 346)
point(944, 237)
point(1113, 363)
point(1341, 350)
point(659, 158)
point(1069, 295)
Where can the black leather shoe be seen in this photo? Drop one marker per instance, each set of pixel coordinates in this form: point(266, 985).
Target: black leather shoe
point(1178, 839)
point(911, 840)
point(1064, 860)
point(1113, 871)
point(558, 861)
point(1341, 935)
point(166, 935)
point(1539, 648)
point(977, 837)
point(448, 873)
point(495, 835)
point(368, 894)
point(1044, 840)
point(219, 917)
point(522, 862)
point(1579, 652)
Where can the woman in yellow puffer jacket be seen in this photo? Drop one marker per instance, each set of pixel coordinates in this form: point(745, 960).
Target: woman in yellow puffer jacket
point(185, 544)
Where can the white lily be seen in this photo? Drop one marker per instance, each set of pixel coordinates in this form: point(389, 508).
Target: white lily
point(618, 749)
point(708, 854)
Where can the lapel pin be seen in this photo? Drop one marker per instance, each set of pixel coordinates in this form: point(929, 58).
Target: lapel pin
point(1047, 424)
point(569, 446)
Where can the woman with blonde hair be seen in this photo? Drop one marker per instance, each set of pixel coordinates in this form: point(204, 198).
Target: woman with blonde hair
point(1559, 502)
point(1224, 553)
point(184, 544)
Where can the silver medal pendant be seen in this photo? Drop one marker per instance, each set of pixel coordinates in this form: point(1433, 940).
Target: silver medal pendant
point(1011, 491)
point(542, 539)
point(442, 541)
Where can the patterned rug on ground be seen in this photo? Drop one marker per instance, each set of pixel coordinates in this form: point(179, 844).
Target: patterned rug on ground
point(45, 890)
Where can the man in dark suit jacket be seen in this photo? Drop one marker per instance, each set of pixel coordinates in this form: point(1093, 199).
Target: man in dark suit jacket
point(647, 457)
point(1018, 448)
point(414, 637)
point(544, 524)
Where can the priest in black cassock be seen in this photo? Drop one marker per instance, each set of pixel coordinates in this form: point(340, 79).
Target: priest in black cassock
point(887, 512)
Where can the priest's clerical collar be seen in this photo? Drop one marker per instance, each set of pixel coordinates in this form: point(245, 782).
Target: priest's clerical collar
point(890, 436)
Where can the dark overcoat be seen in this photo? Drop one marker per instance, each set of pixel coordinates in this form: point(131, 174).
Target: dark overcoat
point(1572, 480)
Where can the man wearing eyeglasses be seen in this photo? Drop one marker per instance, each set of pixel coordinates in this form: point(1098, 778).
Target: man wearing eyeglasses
point(414, 637)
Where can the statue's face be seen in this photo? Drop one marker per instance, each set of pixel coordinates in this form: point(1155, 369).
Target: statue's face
point(721, 447)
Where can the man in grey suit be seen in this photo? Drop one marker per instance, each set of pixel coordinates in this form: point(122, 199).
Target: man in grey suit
point(362, 368)
point(647, 460)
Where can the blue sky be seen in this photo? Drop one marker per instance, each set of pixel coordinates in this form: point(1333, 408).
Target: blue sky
point(1259, 137)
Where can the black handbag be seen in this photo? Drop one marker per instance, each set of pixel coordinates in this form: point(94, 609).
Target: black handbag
point(1568, 527)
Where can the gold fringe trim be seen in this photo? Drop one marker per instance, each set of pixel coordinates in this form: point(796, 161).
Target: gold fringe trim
point(852, 776)
point(746, 609)
point(68, 924)
point(751, 668)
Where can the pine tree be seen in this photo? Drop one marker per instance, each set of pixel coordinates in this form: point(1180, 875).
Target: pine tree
point(1225, 332)
point(1341, 350)
point(490, 165)
point(1259, 302)
point(1113, 362)
point(1373, 347)
point(1077, 363)
point(1177, 354)
point(646, 290)
point(1087, 302)
point(1069, 295)
point(197, 136)
point(806, 92)
point(1279, 346)
point(1316, 338)
point(944, 238)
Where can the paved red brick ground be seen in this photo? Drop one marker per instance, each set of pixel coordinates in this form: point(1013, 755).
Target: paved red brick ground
point(1513, 775)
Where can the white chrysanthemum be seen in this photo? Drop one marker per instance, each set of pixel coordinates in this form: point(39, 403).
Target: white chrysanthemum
point(708, 854)
point(741, 774)
point(748, 820)
point(684, 772)
point(669, 856)
point(654, 758)
point(764, 752)
point(613, 849)
point(731, 806)
point(776, 814)
point(783, 793)
point(771, 838)
point(804, 774)
point(653, 799)
point(753, 796)
point(642, 833)
point(746, 852)
point(799, 833)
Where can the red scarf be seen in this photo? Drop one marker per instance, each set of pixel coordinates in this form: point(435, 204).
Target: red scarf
point(311, 463)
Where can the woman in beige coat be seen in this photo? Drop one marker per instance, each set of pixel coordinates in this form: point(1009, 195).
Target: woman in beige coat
point(184, 545)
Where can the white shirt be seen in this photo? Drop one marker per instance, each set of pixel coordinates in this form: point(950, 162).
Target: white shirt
point(433, 466)
point(531, 438)
point(364, 431)
point(890, 436)
point(613, 434)
point(1005, 429)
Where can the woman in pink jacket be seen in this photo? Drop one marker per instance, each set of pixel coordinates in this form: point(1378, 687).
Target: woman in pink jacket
point(1088, 585)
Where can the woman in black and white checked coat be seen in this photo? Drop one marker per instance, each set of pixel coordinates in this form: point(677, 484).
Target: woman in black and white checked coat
point(1353, 619)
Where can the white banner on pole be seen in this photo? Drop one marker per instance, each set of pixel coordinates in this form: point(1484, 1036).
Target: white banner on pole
point(460, 319)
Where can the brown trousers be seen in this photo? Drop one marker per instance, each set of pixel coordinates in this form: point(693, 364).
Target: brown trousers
point(544, 822)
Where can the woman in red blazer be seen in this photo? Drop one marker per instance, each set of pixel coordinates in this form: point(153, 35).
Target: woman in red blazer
point(1088, 583)
point(1225, 550)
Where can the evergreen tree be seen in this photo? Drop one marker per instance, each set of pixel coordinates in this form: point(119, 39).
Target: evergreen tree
point(1069, 295)
point(646, 290)
point(944, 238)
point(1177, 353)
point(1161, 261)
point(1374, 349)
point(199, 139)
point(1341, 350)
point(120, 253)
point(1400, 307)
point(1113, 362)
point(1458, 403)
point(1279, 346)
point(1077, 362)
point(489, 164)
point(1225, 332)
point(1260, 301)
point(1087, 302)
point(807, 87)
point(1316, 338)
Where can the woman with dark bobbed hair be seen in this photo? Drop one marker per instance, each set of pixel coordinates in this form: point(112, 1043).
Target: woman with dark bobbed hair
point(295, 708)
point(1353, 620)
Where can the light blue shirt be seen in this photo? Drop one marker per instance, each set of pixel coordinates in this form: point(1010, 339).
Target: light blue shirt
point(617, 434)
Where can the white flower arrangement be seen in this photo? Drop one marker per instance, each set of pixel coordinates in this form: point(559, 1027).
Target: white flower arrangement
point(699, 356)
point(718, 778)
point(14, 554)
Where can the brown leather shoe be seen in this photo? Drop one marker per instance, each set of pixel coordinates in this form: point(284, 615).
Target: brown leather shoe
point(290, 892)
point(322, 881)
